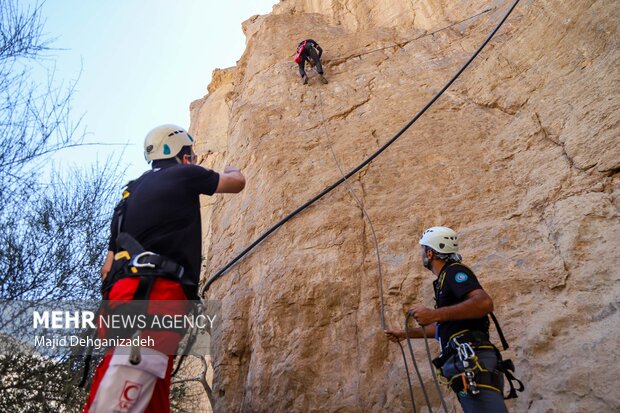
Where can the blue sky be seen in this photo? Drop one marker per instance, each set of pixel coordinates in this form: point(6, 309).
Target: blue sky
point(140, 64)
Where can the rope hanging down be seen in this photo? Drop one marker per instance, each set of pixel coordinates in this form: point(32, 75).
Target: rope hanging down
point(375, 244)
point(417, 370)
point(362, 208)
point(355, 170)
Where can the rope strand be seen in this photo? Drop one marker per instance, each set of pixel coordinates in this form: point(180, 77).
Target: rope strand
point(359, 167)
point(344, 179)
point(375, 243)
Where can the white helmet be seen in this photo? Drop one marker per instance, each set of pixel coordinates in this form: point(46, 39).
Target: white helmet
point(165, 142)
point(442, 239)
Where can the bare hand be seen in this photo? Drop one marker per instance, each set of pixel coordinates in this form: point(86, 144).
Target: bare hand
point(423, 315)
point(394, 335)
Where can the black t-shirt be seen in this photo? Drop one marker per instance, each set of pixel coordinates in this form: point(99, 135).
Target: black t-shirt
point(309, 44)
point(455, 281)
point(163, 213)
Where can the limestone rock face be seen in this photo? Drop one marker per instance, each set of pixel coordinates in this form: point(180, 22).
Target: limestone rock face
point(521, 155)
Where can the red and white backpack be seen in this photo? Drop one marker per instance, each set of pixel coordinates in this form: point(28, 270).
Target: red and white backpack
point(300, 50)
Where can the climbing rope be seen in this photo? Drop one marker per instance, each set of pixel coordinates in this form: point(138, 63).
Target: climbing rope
point(375, 244)
point(405, 42)
point(402, 352)
point(415, 365)
point(352, 172)
point(423, 328)
point(361, 206)
point(344, 179)
point(433, 372)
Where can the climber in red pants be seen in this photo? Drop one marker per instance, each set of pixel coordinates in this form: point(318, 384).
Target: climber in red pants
point(154, 257)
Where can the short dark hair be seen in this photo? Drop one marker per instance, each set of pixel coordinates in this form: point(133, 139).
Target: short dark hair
point(185, 150)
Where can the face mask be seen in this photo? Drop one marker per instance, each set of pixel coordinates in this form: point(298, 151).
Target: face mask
point(426, 262)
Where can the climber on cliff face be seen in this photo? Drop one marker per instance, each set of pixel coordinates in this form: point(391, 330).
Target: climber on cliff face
point(309, 50)
point(460, 322)
point(154, 254)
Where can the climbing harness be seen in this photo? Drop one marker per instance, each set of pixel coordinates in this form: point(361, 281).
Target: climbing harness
point(461, 369)
point(133, 261)
point(469, 361)
point(458, 365)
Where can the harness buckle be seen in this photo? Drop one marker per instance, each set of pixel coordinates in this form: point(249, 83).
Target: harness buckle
point(135, 261)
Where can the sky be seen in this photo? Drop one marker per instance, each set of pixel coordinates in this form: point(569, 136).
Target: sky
point(139, 64)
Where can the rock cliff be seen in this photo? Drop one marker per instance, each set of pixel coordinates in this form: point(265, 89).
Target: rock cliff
point(521, 156)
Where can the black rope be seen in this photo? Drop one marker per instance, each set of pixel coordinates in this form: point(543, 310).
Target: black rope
point(355, 170)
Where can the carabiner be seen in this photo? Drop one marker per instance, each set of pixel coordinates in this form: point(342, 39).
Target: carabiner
point(135, 261)
point(466, 352)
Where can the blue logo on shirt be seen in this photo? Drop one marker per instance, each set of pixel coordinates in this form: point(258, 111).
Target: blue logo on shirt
point(461, 277)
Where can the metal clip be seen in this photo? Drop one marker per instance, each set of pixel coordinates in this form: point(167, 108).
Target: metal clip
point(135, 261)
point(471, 383)
point(466, 352)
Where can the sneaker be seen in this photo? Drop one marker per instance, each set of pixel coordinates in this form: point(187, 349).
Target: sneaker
point(323, 80)
point(304, 80)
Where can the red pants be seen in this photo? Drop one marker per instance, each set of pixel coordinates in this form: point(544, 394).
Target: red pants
point(119, 386)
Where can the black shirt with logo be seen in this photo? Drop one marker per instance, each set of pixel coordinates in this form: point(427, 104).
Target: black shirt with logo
point(163, 213)
point(452, 285)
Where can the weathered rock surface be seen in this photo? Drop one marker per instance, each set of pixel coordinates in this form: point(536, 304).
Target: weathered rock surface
point(521, 156)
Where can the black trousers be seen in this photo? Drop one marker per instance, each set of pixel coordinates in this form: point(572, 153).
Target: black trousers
point(310, 54)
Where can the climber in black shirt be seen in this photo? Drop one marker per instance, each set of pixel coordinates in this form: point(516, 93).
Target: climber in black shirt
point(309, 50)
point(154, 256)
point(460, 322)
